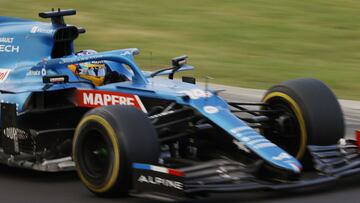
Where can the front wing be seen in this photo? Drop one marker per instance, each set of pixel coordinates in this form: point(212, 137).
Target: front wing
point(219, 176)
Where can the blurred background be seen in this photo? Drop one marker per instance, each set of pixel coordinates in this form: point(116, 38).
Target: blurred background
point(243, 43)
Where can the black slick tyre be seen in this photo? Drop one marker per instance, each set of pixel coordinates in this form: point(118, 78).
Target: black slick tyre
point(107, 141)
point(305, 112)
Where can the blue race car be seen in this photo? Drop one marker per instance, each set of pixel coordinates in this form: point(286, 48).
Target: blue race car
point(127, 131)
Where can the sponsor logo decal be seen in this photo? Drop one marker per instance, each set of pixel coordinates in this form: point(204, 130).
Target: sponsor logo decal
point(41, 72)
point(282, 156)
point(210, 109)
point(37, 29)
point(15, 133)
point(95, 98)
point(160, 181)
point(4, 73)
point(8, 40)
point(57, 80)
point(81, 59)
point(8, 47)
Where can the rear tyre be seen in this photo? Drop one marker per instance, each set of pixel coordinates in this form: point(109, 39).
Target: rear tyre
point(107, 141)
point(306, 113)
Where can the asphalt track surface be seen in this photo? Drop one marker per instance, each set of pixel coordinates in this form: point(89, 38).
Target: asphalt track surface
point(25, 186)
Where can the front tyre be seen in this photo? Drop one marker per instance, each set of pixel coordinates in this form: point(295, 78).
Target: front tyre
point(107, 141)
point(304, 112)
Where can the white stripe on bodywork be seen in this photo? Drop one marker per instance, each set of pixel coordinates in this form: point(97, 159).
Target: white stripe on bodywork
point(140, 104)
point(159, 169)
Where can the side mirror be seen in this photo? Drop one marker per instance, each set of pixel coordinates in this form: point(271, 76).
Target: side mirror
point(177, 63)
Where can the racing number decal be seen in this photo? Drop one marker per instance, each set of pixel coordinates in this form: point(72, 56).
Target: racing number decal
point(95, 98)
point(196, 93)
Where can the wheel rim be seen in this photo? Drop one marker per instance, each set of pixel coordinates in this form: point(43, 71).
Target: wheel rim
point(97, 156)
point(102, 127)
point(291, 135)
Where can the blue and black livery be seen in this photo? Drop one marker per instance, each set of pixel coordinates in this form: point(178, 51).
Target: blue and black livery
point(48, 115)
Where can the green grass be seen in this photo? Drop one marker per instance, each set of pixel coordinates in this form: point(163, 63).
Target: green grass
point(248, 43)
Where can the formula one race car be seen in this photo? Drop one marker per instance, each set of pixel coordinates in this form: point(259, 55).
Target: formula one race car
point(127, 131)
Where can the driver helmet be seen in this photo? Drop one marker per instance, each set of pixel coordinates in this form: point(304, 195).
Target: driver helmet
point(95, 71)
